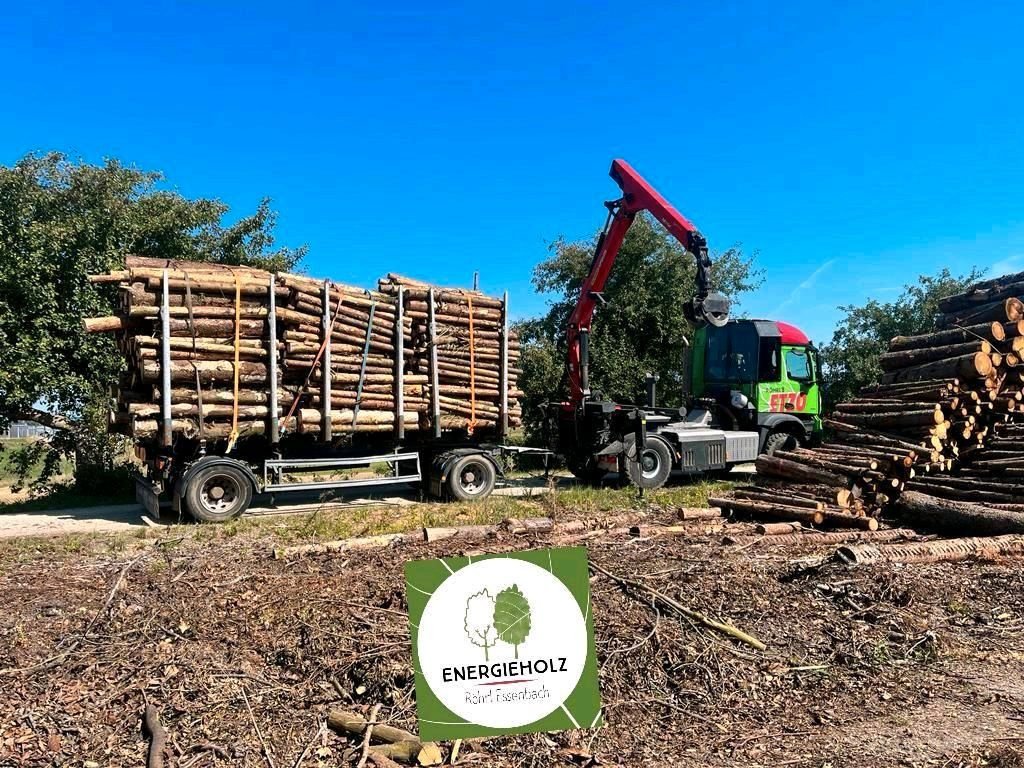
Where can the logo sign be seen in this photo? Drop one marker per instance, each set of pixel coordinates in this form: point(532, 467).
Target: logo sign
point(788, 401)
point(503, 643)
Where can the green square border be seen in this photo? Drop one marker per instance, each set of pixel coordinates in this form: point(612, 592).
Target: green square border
point(582, 709)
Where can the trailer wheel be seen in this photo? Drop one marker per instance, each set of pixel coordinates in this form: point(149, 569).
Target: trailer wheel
point(651, 468)
point(470, 478)
point(217, 494)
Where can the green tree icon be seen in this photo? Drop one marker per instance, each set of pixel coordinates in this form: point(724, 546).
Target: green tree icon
point(478, 622)
point(512, 616)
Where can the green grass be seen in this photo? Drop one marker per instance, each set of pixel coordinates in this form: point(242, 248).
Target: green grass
point(329, 523)
point(9, 467)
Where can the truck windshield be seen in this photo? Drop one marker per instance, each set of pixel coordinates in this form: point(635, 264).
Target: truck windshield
point(732, 353)
point(798, 366)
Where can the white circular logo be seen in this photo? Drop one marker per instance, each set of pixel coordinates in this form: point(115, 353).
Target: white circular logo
point(502, 643)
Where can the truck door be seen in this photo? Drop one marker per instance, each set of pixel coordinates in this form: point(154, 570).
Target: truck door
point(799, 395)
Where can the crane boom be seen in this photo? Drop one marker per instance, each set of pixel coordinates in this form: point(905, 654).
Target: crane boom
point(637, 196)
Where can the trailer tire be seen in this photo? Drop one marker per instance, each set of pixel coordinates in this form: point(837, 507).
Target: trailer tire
point(471, 478)
point(652, 467)
point(217, 493)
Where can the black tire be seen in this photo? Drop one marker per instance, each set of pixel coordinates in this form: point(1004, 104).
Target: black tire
point(217, 494)
point(586, 472)
point(780, 441)
point(471, 478)
point(651, 468)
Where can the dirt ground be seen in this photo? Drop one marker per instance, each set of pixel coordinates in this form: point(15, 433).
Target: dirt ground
point(244, 655)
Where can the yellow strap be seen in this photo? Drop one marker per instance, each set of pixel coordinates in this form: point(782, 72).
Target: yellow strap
point(472, 370)
point(233, 437)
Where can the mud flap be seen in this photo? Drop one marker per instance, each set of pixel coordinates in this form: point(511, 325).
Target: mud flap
point(148, 495)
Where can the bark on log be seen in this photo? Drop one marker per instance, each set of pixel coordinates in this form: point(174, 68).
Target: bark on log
point(757, 494)
point(942, 551)
point(973, 366)
point(342, 545)
point(817, 537)
point(996, 330)
point(157, 738)
point(791, 470)
point(353, 724)
point(699, 513)
point(890, 361)
point(778, 510)
point(209, 371)
point(777, 529)
point(894, 419)
point(959, 516)
point(843, 520)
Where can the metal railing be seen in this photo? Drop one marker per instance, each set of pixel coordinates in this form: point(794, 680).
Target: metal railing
point(20, 430)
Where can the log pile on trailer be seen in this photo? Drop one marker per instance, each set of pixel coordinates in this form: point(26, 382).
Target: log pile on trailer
point(248, 352)
point(945, 419)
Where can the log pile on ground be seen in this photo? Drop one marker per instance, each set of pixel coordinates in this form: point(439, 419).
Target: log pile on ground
point(226, 360)
point(945, 419)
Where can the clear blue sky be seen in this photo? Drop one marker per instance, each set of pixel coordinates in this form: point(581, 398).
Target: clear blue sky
point(855, 145)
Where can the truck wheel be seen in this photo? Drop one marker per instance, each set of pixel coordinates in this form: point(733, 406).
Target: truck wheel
point(652, 467)
point(471, 478)
point(780, 441)
point(217, 494)
point(586, 472)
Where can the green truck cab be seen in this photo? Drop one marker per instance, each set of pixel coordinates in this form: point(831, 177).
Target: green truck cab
point(763, 376)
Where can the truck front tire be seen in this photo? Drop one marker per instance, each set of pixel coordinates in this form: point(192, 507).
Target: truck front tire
point(780, 441)
point(649, 468)
point(217, 494)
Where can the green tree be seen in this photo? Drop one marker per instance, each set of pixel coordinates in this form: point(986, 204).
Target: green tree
point(642, 329)
point(850, 359)
point(512, 618)
point(60, 221)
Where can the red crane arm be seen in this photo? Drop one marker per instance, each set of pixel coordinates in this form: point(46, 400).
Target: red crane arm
point(637, 195)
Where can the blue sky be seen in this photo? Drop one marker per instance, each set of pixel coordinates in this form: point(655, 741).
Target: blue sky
point(854, 145)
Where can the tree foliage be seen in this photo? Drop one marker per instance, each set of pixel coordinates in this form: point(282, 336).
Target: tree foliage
point(61, 220)
point(512, 618)
point(850, 359)
point(641, 330)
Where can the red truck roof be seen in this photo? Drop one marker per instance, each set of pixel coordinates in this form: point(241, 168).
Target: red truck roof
point(791, 334)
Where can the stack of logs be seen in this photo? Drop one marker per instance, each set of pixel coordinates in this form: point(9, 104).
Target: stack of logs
point(227, 362)
point(946, 419)
point(469, 348)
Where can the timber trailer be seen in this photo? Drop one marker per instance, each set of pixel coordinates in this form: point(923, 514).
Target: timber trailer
point(754, 384)
point(218, 481)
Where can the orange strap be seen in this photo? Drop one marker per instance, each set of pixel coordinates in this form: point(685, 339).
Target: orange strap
point(472, 370)
point(233, 437)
